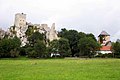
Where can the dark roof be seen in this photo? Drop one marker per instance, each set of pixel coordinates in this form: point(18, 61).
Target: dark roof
point(104, 33)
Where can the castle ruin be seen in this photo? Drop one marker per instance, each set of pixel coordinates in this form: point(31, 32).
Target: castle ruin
point(21, 26)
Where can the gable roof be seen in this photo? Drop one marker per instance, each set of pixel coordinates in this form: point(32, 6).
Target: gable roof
point(105, 48)
point(104, 33)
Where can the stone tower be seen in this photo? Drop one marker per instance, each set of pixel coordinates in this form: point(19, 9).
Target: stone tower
point(20, 20)
point(103, 38)
point(21, 27)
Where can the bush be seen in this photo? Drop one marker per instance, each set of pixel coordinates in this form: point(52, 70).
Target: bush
point(28, 51)
point(14, 53)
point(22, 51)
point(32, 54)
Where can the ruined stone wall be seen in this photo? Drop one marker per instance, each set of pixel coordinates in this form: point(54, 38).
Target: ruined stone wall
point(53, 33)
point(21, 26)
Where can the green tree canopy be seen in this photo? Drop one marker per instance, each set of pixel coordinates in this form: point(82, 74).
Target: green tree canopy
point(8, 47)
point(60, 46)
point(54, 46)
point(116, 49)
point(35, 37)
point(30, 30)
point(64, 47)
point(88, 46)
point(36, 47)
point(73, 38)
point(82, 35)
point(91, 35)
point(40, 48)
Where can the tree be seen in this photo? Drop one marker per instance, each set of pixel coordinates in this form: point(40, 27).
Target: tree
point(116, 49)
point(91, 35)
point(14, 53)
point(30, 30)
point(60, 46)
point(35, 37)
point(12, 30)
point(64, 47)
point(62, 32)
point(4, 47)
point(22, 50)
point(73, 38)
point(40, 49)
point(16, 42)
point(82, 35)
point(9, 47)
point(53, 47)
point(30, 51)
point(36, 47)
point(88, 46)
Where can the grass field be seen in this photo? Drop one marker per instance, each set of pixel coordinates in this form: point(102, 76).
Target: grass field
point(60, 69)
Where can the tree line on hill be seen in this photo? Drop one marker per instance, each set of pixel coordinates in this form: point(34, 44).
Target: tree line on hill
point(71, 44)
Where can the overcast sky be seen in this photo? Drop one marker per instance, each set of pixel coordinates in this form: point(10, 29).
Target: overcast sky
point(89, 16)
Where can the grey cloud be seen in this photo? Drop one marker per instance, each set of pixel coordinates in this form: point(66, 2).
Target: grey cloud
point(90, 16)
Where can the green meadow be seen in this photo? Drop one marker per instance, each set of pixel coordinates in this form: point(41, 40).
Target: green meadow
point(60, 69)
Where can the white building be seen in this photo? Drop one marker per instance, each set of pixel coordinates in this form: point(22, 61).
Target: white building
point(104, 40)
